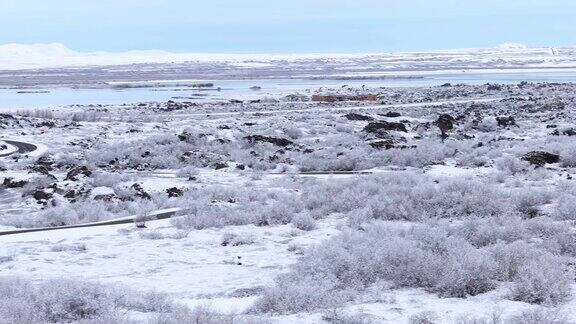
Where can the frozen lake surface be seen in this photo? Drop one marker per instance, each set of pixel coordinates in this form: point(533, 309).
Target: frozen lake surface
point(242, 89)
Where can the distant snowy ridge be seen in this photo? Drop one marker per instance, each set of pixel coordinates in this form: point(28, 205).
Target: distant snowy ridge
point(34, 56)
point(38, 56)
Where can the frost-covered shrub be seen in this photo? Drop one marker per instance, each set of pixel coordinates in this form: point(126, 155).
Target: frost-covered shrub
point(450, 260)
point(487, 231)
point(221, 206)
point(539, 316)
point(204, 315)
point(425, 317)
point(304, 222)
point(528, 201)
point(232, 239)
point(511, 165)
point(543, 280)
point(419, 257)
point(55, 301)
point(407, 197)
point(76, 247)
point(338, 316)
point(488, 125)
point(187, 172)
point(151, 235)
point(538, 276)
point(566, 208)
point(104, 179)
point(68, 300)
point(568, 156)
point(293, 132)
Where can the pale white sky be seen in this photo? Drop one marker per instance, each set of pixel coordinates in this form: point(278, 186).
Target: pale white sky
point(287, 26)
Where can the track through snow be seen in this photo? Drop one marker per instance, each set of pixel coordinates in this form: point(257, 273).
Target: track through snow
point(23, 147)
point(157, 215)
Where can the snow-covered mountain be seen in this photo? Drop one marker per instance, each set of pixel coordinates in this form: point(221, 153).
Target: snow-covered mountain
point(36, 56)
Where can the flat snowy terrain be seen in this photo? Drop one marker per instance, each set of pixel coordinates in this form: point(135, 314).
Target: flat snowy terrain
point(315, 203)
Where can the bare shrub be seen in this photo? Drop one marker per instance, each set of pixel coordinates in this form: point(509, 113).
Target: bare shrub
point(304, 222)
point(70, 300)
point(204, 315)
point(151, 235)
point(338, 316)
point(425, 317)
point(414, 258)
point(544, 280)
point(76, 247)
point(539, 316)
point(232, 239)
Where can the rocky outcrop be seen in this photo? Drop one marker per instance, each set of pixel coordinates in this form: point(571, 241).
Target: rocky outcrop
point(174, 192)
point(11, 183)
point(273, 140)
point(76, 172)
point(356, 117)
point(504, 121)
point(540, 158)
point(384, 125)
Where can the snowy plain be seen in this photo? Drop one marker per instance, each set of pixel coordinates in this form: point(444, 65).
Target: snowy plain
point(273, 180)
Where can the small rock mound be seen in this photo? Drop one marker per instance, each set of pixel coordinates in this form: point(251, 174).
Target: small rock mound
point(139, 191)
point(355, 116)
point(78, 171)
point(504, 121)
point(540, 158)
point(273, 140)
point(392, 114)
point(11, 183)
point(445, 122)
point(384, 125)
point(174, 192)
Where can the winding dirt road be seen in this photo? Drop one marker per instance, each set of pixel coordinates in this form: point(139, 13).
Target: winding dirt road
point(23, 147)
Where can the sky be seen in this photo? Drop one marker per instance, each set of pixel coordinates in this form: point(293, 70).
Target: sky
point(287, 26)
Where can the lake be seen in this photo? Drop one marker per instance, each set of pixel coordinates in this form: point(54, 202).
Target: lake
point(11, 99)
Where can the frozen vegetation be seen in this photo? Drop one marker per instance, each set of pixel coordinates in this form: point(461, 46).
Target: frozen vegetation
point(445, 204)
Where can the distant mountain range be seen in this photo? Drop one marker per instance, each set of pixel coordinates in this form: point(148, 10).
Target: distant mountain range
point(38, 56)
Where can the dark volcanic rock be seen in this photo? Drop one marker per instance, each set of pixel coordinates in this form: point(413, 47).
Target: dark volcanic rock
point(392, 114)
point(220, 165)
point(273, 140)
point(47, 123)
point(77, 171)
point(569, 132)
point(539, 158)
point(140, 191)
point(445, 122)
point(384, 144)
point(42, 196)
point(43, 165)
point(384, 125)
point(355, 116)
point(185, 136)
point(174, 192)
point(10, 183)
point(106, 197)
point(506, 121)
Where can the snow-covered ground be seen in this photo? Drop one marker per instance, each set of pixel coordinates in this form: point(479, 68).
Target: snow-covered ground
point(276, 190)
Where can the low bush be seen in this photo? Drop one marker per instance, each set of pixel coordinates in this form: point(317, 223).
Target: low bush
point(421, 256)
point(70, 300)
